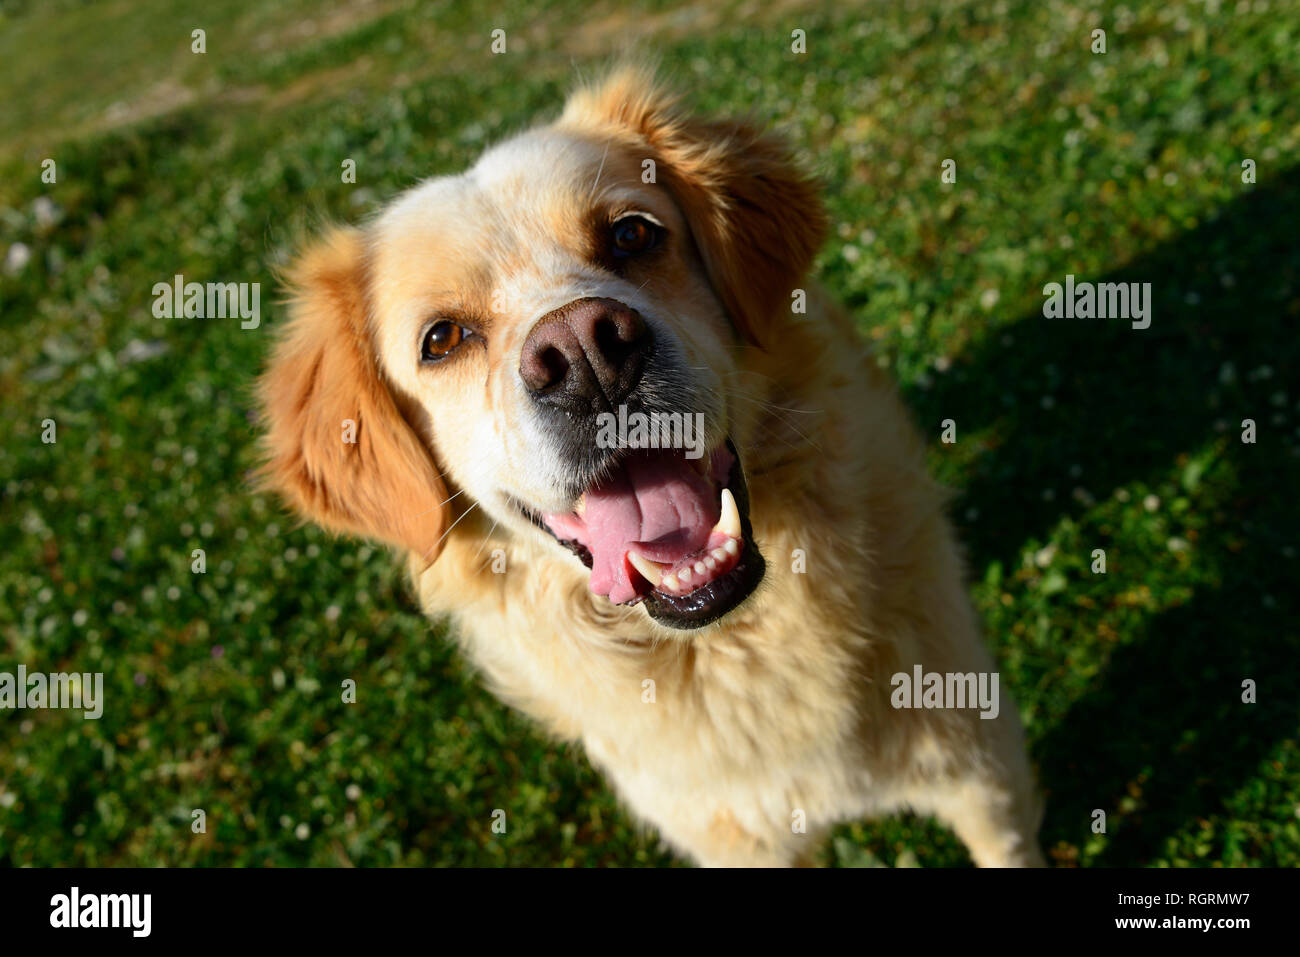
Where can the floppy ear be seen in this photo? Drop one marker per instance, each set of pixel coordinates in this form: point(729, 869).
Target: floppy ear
point(757, 219)
point(339, 449)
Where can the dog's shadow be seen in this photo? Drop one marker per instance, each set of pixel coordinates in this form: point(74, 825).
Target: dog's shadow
point(1160, 738)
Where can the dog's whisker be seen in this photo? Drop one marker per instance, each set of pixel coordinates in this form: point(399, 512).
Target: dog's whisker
point(776, 410)
point(446, 501)
point(448, 531)
point(604, 156)
point(486, 538)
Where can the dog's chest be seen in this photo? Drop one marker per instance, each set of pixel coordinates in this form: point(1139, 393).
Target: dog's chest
point(726, 704)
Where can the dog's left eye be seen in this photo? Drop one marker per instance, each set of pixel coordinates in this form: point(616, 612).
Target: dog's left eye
point(633, 234)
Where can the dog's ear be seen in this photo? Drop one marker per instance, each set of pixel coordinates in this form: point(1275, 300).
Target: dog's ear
point(756, 218)
point(339, 449)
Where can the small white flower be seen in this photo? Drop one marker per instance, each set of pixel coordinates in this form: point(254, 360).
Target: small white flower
point(18, 256)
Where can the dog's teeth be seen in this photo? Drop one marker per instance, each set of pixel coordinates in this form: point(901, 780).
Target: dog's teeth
point(651, 571)
point(684, 576)
point(731, 547)
point(710, 563)
point(729, 520)
point(719, 554)
point(700, 568)
point(669, 582)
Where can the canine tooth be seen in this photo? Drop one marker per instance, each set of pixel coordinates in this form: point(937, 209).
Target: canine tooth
point(651, 571)
point(684, 576)
point(710, 563)
point(729, 520)
point(669, 582)
point(719, 554)
point(731, 547)
point(700, 568)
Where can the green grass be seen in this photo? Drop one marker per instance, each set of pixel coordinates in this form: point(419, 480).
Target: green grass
point(223, 687)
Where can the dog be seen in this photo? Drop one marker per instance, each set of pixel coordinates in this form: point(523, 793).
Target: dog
point(725, 627)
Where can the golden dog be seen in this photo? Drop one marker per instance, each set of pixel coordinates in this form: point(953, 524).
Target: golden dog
point(724, 627)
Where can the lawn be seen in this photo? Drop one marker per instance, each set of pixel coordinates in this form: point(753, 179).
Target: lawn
point(1072, 435)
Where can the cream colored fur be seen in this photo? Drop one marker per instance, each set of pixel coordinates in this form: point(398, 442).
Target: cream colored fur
point(782, 711)
point(744, 741)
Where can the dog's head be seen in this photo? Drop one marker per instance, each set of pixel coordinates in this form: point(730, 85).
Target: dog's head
point(531, 334)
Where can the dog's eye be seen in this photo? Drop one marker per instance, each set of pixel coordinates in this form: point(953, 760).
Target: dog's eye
point(633, 234)
point(440, 340)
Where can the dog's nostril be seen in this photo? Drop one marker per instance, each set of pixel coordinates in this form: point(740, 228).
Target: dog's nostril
point(611, 341)
point(553, 367)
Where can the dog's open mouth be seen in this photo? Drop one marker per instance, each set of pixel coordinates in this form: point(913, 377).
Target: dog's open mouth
point(670, 531)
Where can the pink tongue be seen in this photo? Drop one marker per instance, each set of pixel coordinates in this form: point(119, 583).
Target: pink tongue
point(657, 503)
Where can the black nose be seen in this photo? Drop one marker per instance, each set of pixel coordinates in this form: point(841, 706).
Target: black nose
point(586, 356)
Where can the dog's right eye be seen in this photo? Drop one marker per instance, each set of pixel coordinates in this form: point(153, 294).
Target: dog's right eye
point(441, 339)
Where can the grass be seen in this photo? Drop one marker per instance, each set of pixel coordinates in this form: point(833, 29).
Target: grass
point(222, 687)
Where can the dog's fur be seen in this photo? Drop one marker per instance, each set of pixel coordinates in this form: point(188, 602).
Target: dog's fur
point(778, 713)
